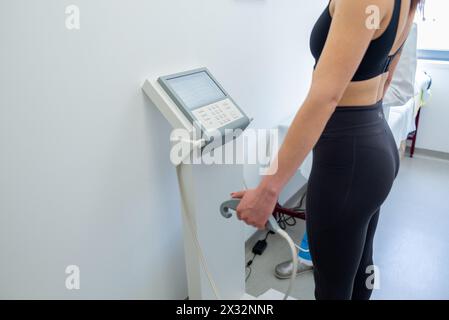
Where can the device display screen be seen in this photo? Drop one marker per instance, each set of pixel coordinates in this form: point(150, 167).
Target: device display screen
point(196, 90)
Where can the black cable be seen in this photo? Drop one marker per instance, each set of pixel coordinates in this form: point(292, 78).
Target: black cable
point(285, 221)
point(248, 266)
point(299, 208)
point(268, 233)
point(302, 199)
point(250, 262)
point(249, 273)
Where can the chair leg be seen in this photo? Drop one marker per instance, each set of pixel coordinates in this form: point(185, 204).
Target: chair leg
point(415, 135)
point(412, 148)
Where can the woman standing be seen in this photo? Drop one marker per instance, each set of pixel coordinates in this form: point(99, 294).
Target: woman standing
point(355, 156)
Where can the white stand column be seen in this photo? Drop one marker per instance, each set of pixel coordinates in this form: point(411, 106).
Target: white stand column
point(203, 189)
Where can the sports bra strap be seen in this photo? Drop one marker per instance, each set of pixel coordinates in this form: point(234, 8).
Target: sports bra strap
point(395, 24)
point(391, 58)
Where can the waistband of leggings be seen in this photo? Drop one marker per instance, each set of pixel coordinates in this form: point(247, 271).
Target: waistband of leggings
point(365, 108)
point(356, 121)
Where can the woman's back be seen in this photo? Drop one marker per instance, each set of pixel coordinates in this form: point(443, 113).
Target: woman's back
point(371, 78)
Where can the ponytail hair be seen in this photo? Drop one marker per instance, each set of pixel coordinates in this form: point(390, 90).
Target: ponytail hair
point(418, 5)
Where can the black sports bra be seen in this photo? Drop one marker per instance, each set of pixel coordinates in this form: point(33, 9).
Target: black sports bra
point(376, 60)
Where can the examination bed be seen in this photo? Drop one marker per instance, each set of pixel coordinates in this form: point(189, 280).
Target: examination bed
point(408, 93)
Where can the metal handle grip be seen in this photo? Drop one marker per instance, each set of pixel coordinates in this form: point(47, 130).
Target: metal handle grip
point(227, 206)
point(231, 205)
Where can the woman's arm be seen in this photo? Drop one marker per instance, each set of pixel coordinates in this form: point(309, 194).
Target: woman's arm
point(347, 42)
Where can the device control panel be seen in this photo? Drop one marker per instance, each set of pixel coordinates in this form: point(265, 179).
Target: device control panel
point(204, 102)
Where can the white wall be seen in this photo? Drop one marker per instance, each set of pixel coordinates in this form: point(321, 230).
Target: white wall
point(433, 131)
point(84, 171)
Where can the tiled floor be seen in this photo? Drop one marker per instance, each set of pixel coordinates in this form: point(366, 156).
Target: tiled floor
point(411, 244)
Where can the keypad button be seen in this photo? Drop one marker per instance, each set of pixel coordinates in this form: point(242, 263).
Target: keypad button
point(218, 114)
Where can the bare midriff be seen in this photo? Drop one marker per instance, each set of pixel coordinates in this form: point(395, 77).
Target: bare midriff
point(371, 91)
point(367, 92)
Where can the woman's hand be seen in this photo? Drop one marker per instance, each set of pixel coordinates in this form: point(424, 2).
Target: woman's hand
point(256, 206)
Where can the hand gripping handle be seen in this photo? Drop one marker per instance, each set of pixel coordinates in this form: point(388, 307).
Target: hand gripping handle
point(228, 206)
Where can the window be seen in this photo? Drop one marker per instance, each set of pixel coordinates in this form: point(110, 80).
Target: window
point(433, 42)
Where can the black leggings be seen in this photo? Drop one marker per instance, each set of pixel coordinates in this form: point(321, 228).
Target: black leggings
point(354, 165)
